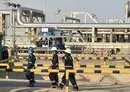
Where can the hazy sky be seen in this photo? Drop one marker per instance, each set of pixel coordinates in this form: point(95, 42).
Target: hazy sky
point(102, 8)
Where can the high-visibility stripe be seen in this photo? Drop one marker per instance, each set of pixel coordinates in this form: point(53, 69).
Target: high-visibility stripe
point(44, 70)
point(97, 66)
point(76, 65)
point(97, 71)
point(3, 66)
point(116, 72)
point(18, 70)
point(83, 66)
point(80, 71)
point(119, 67)
point(112, 66)
point(88, 71)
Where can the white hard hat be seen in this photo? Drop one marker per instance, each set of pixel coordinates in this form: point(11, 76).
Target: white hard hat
point(66, 46)
point(54, 49)
point(68, 51)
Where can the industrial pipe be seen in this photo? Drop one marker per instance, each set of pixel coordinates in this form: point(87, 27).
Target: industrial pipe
point(62, 25)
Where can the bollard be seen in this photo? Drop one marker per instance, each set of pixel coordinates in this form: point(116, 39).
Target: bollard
point(67, 81)
point(91, 71)
point(7, 73)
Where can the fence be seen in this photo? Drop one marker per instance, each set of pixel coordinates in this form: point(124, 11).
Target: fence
point(86, 71)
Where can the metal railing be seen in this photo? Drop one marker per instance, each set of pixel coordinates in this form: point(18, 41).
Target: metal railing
point(86, 71)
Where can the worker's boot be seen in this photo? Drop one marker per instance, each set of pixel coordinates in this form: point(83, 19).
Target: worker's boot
point(76, 88)
point(32, 83)
point(53, 86)
point(57, 84)
point(61, 85)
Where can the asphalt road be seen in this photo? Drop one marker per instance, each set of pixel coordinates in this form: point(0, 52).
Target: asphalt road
point(21, 86)
point(19, 83)
point(44, 86)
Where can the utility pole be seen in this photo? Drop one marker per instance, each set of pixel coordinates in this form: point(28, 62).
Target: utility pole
point(5, 2)
point(126, 11)
point(14, 40)
point(14, 6)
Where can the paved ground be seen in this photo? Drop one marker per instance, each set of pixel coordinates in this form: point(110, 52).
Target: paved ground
point(44, 86)
point(86, 82)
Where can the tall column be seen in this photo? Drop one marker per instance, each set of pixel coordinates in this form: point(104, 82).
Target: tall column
point(126, 12)
point(73, 15)
point(30, 29)
point(1, 33)
point(94, 30)
point(104, 38)
point(111, 32)
point(126, 35)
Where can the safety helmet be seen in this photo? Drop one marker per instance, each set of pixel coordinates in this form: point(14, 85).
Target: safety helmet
point(30, 50)
point(53, 49)
point(68, 50)
point(66, 46)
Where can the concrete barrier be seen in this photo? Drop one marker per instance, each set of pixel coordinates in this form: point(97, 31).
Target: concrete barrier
point(80, 66)
point(86, 71)
point(62, 65)
point(95, 71)
point(78, 58)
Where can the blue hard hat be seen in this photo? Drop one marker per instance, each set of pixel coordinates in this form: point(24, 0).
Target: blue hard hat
point(30, 50)
point(4, 47)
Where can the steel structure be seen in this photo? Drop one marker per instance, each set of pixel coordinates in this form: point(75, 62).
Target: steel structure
point(93, 35)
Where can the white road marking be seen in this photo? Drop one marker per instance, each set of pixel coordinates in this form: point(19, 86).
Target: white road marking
point(42, 90)
point(18, 89)
point(23, 80)
point(48, 90)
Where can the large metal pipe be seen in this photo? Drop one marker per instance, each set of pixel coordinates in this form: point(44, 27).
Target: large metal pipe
point(5, 12)
point(8, 12)
point(70, 26)
point(86, 14)
point(34, 12)
point(58, 25)
point(71, 18)
point(64, 25)
point(12, 12)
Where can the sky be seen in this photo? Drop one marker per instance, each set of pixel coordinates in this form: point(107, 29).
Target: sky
point(103, 9)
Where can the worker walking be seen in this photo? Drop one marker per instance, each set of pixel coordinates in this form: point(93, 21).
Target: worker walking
point(31, 65)
point(68, 62)
point(55, 65)
point(5, 54)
